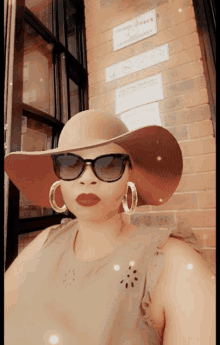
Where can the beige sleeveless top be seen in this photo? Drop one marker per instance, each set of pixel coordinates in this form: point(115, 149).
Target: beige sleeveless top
point(63, 300)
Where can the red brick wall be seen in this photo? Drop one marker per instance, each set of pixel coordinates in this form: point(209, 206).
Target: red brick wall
point(184, 110)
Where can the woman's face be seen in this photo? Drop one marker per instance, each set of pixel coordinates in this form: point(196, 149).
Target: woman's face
point(110, 194)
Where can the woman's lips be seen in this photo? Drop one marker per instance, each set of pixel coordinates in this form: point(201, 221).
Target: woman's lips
point(87, 199)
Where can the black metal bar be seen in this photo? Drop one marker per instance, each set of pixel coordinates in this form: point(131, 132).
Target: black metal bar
point(15, 139)
point(76, 71)
point(12, 225)
point(41, 116)
point(207, 42)
point(50, 38)
point(54, 85)
point(78, 4)
point(210, 26)
point(42, 30)
point(65, 23)
point(28, 225)
point(68, 88)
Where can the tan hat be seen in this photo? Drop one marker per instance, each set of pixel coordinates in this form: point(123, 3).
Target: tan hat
point(156, 156)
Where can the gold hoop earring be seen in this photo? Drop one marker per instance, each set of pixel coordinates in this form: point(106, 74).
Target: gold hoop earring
point(52, 198)
point(134, 199)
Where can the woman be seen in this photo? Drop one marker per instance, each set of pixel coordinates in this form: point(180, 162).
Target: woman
point(99, 279)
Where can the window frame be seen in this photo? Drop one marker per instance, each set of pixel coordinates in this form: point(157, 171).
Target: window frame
point(18, 14)
point(205, 12)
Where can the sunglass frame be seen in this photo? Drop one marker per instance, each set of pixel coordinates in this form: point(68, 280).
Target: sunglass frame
point(124, 157)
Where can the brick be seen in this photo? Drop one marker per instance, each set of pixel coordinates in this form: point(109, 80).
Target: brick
point(110, 108)
point(186, 14)
point(183, 57)
point(172, 104)
point(153, 219)
point(188, 166)
point(145, 6)
point(205, 163)
point(209, 255)
point(164, 20)
point(171, 76)
point(199, 113)
point(197, 182)
point(95, 53)
point(143, 209)
point(207, 199)
point(102, 100)
point(186, 42)
point(99, 39)
point(206, 235)
point(201, 129)
point(162, 37)
point(179, 132)
point(113, 21)
point(185, 28)
point(179, 201)
point(102, 87)
point(96, 77)
point(124, 13)
point(203, 218)
point(196, 98)
point(191, 69)
point(103, 62)
point(198, 147)
point(184, 87)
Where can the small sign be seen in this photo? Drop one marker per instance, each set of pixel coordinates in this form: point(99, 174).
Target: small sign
point(135, 30)
point(145, 115)
point(141, 92)
point(137, 63)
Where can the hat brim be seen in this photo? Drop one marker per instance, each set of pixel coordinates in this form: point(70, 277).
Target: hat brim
point(156, 173)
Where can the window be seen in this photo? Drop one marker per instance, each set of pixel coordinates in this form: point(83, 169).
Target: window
point(46, 84)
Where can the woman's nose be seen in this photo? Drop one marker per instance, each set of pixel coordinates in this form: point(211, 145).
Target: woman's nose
point(88, 176)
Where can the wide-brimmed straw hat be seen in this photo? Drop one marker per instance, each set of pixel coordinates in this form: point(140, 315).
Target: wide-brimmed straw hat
point(156, 155)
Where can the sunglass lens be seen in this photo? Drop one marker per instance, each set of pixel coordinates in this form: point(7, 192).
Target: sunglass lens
point(109, 168)
point(68, 167)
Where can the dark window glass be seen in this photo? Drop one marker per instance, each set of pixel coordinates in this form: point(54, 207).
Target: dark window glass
point(35, 136)
point(74, 97)
point(38, 72)
point(43, 10)
point(72, 29)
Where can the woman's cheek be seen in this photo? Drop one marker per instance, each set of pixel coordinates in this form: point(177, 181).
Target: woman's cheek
point(67, 192)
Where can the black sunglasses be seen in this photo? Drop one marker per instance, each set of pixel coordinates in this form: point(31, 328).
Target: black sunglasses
point(107, 168)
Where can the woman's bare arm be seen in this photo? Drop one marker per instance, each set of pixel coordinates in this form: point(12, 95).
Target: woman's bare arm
point(189, 297)
point(16, 268)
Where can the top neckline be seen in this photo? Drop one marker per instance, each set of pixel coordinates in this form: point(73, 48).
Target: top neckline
point(104, 258)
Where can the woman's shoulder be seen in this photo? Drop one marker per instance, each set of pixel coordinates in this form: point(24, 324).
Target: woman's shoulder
point(185, 281)
point(181, 255)
point(182, 265)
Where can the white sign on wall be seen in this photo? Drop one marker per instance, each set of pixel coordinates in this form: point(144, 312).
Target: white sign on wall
point(145, 115)
point(135, 30)
point(137, 63)
point(141, 92)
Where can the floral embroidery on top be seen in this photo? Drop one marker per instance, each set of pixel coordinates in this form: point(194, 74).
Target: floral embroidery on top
point(69, 278)
point(131, 275)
